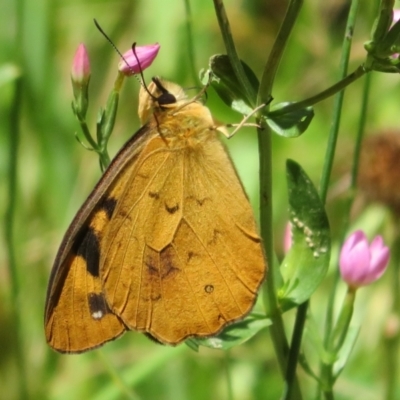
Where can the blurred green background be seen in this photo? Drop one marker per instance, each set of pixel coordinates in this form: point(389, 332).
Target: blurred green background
point(55, 174)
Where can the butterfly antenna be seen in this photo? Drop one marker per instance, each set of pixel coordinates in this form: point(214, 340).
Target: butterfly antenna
point(108, 39)
point(142, 81)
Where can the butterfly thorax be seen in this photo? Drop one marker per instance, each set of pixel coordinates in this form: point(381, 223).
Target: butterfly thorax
point(181, 122)
point(188, 126)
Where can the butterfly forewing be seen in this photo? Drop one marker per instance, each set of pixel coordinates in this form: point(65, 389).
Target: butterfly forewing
point(77, 316)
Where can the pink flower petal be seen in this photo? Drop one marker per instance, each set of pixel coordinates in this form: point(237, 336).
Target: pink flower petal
point(361, 263)
point(129, 65)
point(80, 71)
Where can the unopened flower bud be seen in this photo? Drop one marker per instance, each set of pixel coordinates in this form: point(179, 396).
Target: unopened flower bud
point(80, 76)
point(80, 71)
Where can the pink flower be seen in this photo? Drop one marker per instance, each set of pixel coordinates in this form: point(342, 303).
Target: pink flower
point(396, 16)
point(362, 263)
point(287, 238)
point(80, 71)
point(145, 54)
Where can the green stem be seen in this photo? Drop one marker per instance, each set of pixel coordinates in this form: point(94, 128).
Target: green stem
point(326, 370)
point(9, 223)
point(338, 102)
point(231, 50)
point(349, 203)
point(11, 212)
point(392, 333)
point(295, 346)
point(338, 337)
point(334, 89)
point(88, 136)
point(342, 325)
point(275, 56)
point(227, 364)
point(264, 144)
point(358, 143)
point(190, 47)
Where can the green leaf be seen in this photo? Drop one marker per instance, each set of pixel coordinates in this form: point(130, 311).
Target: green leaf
point(234, 334)
point(228, 87)
point(292, 124)
point(307, 262)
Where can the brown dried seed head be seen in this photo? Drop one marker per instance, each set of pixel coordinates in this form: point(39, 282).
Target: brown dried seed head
point(379, 172)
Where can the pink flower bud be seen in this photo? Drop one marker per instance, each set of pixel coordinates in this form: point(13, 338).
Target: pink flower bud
point(80, 71)
point(362, 263)
point(129, 65)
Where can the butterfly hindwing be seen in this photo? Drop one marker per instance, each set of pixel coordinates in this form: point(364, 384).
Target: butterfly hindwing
point(182, 256)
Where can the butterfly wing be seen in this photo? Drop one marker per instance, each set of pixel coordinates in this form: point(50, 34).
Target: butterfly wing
point(166, 243)
point(77, 316)
point(184, 257)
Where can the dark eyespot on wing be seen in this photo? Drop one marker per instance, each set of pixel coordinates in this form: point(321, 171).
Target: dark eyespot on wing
point(209, 289)
point(191, 255)
point(155, 297)
point(87, 246)
point(154, 195)
point(152, 265)
point(97, 305)
point(199, 202)
point(173, 209)
point(216, 235)
point(168, 263)
point(108, 205)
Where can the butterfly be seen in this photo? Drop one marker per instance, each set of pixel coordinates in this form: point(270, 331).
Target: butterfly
point(166, 244)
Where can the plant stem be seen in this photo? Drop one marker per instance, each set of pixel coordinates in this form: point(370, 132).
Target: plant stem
point(295, 346)
point(275, 56)
point(349, 203)
point(391, 339)
point(10, 213)
point(189, 35)
point(231, 50)
point(9, 224)
point(265, 153)
point(334, 89)
point(227, 365)
point(326, 173)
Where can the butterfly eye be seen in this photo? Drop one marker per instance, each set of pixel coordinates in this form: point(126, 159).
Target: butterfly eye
point(165, 96)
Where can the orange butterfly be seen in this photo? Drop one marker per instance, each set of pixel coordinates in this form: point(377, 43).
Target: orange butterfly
point(166, 243)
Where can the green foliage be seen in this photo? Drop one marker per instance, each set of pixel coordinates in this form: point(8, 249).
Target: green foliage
point(306, 264)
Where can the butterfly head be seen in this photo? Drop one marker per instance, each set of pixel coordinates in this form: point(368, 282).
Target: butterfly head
point(159, 96)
